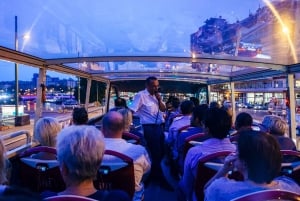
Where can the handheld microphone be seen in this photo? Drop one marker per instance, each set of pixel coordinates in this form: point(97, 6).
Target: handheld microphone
point(157, 91)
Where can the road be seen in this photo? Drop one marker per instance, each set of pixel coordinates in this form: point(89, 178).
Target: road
point(257, 115)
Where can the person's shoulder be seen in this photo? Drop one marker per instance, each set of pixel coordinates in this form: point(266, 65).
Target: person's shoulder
point(287, 183)
point(112, 195)
point(285, 180)
point(136, 149)
point(177, 118)
point(48, 193)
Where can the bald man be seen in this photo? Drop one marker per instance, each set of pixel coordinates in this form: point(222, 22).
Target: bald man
point(113, 128)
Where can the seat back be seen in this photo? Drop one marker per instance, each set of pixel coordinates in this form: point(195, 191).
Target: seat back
point(116, 175)
point(207, 168)
point(188, 142)
point(129, 137)
point(183, 128)
point(68, 198)
point(40, 175)
point(291, 164)
point(269, 195)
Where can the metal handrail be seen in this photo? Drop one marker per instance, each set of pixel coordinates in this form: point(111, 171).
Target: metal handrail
point(16, 134)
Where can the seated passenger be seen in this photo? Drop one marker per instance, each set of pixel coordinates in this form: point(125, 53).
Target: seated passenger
point(227, 107)
point(278, 127)
point(8, 192)
point(186, 109)
point(129, 127)
point(80, 116)
point(258, 158)
point(172, 111)
point(217, 124)
point(214, 104)
point(45, 132)
point(15, 193)
point(195, 101)
point(243, 121)
point(113, 128)
point(120, 103)
point(196, 127)
point(80, 151)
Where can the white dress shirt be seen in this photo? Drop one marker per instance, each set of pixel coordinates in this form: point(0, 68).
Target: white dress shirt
point(146, 107)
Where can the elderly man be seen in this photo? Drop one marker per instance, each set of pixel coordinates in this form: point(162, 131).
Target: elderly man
point(113, 127)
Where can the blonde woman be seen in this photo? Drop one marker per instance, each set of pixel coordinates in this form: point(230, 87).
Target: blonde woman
point(45, 132)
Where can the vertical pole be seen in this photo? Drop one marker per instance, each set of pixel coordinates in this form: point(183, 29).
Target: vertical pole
point(16, 71)
point(292, 109)
point(39, 106)
point(79, 90)
point(233, 100)
point(87, 93)
point(97, 91)
point(208, 92)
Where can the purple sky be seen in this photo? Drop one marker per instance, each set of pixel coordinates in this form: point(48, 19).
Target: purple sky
point(62, 28)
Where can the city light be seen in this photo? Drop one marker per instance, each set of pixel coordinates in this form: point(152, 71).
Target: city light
point(285, 30)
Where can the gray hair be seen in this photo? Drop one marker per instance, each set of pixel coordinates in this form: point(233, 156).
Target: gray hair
point(267, 121)
point(80, 149)
point(278, 127)
point(46, 130)
point(127, 117)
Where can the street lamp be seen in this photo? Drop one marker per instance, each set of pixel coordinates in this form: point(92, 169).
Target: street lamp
point(25, 36)
point(16, 70)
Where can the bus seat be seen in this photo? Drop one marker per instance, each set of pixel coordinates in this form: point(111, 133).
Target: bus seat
point(291, 164)
point(206, 172)
point(116, 175)
point(68, 198)
point(269, 195)
point(40, 175)
point(129, 137)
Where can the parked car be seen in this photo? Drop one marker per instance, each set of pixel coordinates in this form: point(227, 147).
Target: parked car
point(249, 105)
point(69, 104)
point(260, 107)
point(240, 105)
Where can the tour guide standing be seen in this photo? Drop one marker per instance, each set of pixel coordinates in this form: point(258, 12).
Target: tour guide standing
point(149, 106)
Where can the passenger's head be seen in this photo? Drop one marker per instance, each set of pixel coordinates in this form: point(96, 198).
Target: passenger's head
point(46, 130)
point(278, 127)
point(113, 125)
point(80, 116)
point(267, 122)
point(3, 178)
point(175, 102)
point(214, 104)
point(227, 107)
point(260, 155)
point(195, 101)
point(218, 122)
point(198, 115)
point(79, 151)
point(120, 102)
point(152, 85)
point(186, 107)
point(127, 117)
point(243, 120)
